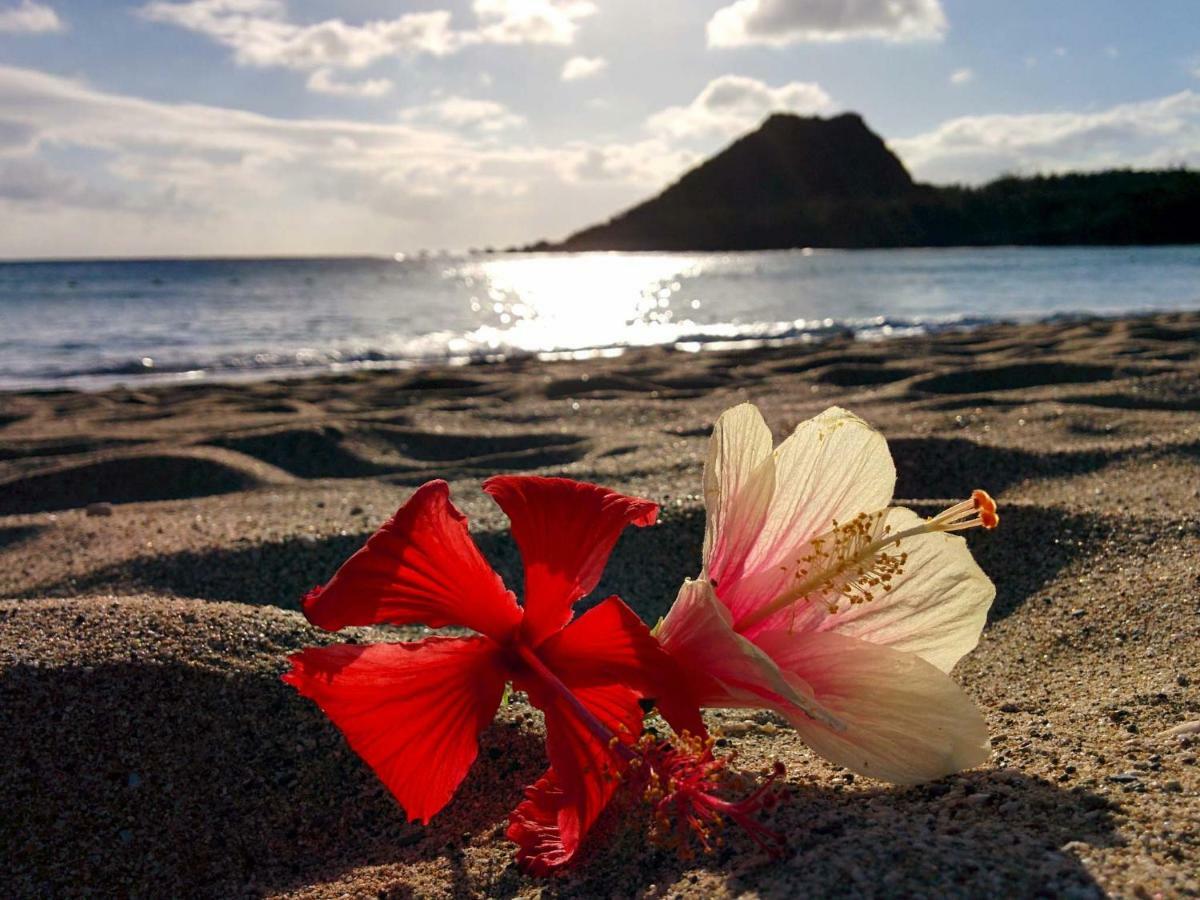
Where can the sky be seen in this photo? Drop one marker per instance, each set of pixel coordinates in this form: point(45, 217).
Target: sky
point(279, 127)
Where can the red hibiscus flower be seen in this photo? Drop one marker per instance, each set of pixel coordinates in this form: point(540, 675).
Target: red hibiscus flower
point(414, 711)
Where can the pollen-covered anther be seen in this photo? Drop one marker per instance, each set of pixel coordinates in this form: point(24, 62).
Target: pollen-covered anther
point(849, 562)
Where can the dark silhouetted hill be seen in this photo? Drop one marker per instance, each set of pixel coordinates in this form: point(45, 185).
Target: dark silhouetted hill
point(813, 182)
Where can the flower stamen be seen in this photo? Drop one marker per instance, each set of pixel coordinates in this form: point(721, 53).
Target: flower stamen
point(857, 560)
point(682, 779)
point(978, 510)
point(678, 780)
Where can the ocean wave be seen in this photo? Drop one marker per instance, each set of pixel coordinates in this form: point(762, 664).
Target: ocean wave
point(481, 346)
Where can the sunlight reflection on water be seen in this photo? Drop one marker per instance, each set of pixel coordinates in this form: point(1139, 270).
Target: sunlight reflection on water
point(595, 300)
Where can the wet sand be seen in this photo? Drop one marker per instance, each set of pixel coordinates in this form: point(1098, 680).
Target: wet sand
point(149, 748)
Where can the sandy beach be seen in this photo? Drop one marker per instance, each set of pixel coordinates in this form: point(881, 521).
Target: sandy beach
point(155, 543)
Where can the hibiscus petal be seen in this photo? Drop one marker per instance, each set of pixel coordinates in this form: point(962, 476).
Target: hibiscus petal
point(412, 711)
point(739, 479)
point(610, 644)
point(905, 720)
point(533, 827)
point(936, 608)
point(421, 567)
point(832, 467)
point(608, 660)
point(724, 668)
point(586, 767)
point(565, 531)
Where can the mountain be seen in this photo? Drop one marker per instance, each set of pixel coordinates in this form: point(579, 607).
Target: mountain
point(813, 182)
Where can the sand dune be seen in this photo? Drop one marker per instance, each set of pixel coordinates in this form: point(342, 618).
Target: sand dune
point(150, 750)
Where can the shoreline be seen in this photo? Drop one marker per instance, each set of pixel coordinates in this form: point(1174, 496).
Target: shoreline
point(445, 253)
point(804, 334)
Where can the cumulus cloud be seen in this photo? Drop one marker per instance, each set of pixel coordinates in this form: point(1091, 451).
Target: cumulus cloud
point(30, 18)
point(260, 33)
point(782, 22)
point(731, 104)
point(580, 67)
point(527, 21)
point(962, 76)
point(324, 81)
point(464, 112)
point(1148, 134)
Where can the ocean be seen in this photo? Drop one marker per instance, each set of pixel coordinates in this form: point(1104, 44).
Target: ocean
point(93, 324)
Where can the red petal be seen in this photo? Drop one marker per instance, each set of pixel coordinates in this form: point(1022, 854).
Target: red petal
point(420, 567)
point(565, 531)
point(413, 711)
point(586, 767)
point(533, 827)
point(608, 660)
point(608, 644)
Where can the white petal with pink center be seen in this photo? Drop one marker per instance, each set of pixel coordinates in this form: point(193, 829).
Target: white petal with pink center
point(818, 600)
point(830, 468)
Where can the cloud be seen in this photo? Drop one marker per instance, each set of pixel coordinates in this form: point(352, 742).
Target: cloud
point(31, 181)
point(29, 18)
point(260, 33)
point(1148, 134)
point(16, 136)
point(580, 67)
point(323, 81)
point(731, 104)
point(31, 185)
point(528, 21)
point(252, 172)
point(962, 76)
point(85, 171)
point(204, 141)
point(782, 22)
point(464, 112)
point(653, 163)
